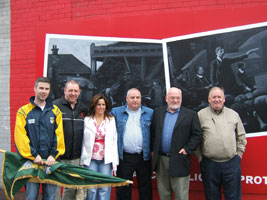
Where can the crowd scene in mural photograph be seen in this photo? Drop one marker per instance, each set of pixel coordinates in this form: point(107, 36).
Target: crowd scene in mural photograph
point(118, 117)
point(234, 61)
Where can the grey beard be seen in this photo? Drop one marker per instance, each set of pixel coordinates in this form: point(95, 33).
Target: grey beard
point(174, 107)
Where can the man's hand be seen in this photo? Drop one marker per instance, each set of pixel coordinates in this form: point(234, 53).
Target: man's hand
point(38, 160)
point(182, 151)
point(50, 160)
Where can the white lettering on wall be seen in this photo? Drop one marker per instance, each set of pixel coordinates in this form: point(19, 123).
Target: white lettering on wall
point(246, 179)
point(254, 179)
point(195, 177)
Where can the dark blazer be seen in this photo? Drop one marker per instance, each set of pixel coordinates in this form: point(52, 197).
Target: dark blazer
point(222, 74)
point(186, 134)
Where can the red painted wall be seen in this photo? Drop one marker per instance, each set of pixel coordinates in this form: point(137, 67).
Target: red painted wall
point(30, 20)
point(153, 19)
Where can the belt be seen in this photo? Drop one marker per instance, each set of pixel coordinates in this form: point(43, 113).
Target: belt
point(138, 153)
point(165, 154)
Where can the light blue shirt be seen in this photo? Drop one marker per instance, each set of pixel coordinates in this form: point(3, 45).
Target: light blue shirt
point(122, 116)
point(133, 139)
point(167, 131)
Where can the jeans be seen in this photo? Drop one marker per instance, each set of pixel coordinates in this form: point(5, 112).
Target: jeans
point(32, 190)
point(99, 193)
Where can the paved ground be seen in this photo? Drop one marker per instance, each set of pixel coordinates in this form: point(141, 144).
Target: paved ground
point(18, 196)
point(196, 195)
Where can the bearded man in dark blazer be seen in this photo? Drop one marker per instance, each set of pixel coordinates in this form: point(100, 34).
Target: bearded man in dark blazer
point(175, 133)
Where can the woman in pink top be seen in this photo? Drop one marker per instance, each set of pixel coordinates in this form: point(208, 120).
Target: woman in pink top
point(99, 148)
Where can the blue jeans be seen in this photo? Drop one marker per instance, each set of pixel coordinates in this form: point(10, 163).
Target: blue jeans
point(100, 193)
point(32, 190)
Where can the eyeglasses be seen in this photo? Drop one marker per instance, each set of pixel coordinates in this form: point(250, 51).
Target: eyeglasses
point(174, 98)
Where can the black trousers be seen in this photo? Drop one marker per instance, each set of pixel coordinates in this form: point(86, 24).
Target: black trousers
point(126, 168)
point(221, 174)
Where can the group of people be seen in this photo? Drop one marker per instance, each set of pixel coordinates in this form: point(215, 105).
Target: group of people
point(227, 71)
point(132, 138)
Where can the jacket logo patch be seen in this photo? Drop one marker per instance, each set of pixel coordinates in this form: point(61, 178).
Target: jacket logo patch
point(31, 121)
point(52, 120)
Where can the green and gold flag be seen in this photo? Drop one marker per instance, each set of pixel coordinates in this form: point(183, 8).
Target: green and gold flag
point(16, 171)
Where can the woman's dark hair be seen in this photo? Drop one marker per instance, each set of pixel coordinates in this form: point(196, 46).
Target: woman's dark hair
point(94, 102)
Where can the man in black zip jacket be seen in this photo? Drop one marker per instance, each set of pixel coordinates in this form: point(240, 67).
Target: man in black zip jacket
point(73, 112)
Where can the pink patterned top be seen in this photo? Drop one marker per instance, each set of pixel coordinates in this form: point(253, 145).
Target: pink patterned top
point(99, 145)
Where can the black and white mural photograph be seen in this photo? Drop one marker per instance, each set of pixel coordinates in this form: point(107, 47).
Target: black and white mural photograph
point(233, 58)
point(106, 65)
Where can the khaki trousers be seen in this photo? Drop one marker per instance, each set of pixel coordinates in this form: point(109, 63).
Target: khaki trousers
point(168, 184)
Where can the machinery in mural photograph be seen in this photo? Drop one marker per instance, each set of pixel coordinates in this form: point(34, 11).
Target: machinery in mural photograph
point(113, 69)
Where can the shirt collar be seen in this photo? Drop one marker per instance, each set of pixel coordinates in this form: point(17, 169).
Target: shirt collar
point(219, 58)
point(131, 111)
point(217, 112)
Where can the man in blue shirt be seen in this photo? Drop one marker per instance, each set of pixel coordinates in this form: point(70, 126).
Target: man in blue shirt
point(175, 132)
point(133, 126)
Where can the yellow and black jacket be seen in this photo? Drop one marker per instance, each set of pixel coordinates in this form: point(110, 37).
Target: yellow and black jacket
point(39, 132)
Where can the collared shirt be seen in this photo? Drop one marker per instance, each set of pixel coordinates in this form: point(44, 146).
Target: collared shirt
point(133, 139)
point(167, 131)
point(219, 59)
point(216, 111)
point(122, 116)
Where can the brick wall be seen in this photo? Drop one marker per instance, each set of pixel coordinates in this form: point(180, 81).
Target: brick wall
point(29, 16)
point(4, 77)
